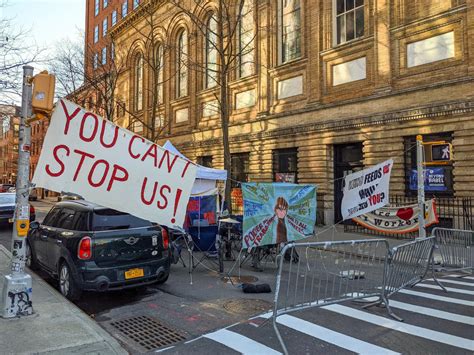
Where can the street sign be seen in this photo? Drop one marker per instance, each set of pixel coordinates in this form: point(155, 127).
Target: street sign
point(441, 152)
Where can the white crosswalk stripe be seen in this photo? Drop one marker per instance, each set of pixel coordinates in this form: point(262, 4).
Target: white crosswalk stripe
point(240, 343)
point(470, 284)
point(410, 302)
point(330, 336)
point(403, 327)
point(449, 289)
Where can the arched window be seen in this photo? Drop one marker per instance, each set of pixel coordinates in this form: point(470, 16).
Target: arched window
point(211, 52)
point(246, 45)
point(138, 93)
point(159, 65)
point(181, 68)
point(289, 30)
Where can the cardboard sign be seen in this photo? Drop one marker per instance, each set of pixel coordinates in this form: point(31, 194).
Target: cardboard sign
point(277, 213)
point(366, 190)
point(399, 220)
point(113, 167)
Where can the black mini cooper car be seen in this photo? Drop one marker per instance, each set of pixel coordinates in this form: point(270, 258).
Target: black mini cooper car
point(90, 247)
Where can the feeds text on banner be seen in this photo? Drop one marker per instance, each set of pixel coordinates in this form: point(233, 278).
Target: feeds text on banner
point(113, 167)
point(398, 219)
point(366, 190)
point(277, 213)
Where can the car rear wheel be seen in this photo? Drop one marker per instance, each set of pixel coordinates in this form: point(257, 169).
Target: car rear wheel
point(67, 285)
point(30, 260)
point(163, 279)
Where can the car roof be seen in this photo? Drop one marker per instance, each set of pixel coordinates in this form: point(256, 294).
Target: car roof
point(80, 205)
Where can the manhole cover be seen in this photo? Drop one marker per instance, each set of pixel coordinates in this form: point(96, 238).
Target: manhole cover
point(247, 305)
point(239, 280)
point(147, 332)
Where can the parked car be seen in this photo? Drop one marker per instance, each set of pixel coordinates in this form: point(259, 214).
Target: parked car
point(90, 247)
point(5, 187)
point(66, 196)
point(7, 208)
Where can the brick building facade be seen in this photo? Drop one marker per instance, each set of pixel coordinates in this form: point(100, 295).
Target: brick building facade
point(333, 86)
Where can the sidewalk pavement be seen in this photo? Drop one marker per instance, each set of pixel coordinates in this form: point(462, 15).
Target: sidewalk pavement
point(56, 327)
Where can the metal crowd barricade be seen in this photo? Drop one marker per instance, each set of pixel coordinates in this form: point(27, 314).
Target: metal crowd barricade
point(323, 273)
point(407, 265)
point(455, 247)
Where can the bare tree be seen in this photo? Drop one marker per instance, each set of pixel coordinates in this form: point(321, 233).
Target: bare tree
point(228, 29)
point(67, 65)
point(16, 50)
point(146, 28)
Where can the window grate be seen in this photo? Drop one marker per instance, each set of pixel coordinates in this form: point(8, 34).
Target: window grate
point(148, 332)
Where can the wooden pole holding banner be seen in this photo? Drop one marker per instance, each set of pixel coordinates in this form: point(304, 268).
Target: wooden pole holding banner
point(421, 186)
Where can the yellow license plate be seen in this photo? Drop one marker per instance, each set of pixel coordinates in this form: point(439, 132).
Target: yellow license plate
point(134, 273)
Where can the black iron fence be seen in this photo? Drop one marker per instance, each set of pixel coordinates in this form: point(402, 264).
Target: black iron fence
point(453, 212)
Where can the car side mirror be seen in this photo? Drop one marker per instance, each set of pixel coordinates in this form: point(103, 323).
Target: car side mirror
point(34, 225)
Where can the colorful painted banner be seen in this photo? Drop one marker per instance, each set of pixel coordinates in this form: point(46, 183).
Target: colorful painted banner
point(399, 220)
point(277, 213)
point(108, 165)
point(366, 190)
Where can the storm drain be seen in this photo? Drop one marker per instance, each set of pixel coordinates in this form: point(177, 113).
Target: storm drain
point(147, 332)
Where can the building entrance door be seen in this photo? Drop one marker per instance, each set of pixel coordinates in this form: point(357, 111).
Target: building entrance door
point(348, 158)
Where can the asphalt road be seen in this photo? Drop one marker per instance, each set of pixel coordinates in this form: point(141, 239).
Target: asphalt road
point(200, 313)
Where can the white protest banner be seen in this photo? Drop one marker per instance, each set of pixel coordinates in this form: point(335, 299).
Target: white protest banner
point(366, 190)
point(113, 167)
point(398, 220)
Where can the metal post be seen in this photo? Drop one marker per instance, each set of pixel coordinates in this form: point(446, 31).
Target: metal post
point(16, 295)
point(421, 186)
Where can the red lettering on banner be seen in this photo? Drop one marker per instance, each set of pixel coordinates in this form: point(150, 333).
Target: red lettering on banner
point(68, 116)
point(152, 152)
point(55, 154)
point(163, 206)
point(142, 195)
point(134, 156)
point(115, 177)
point(102, 132)
point(185, 168)
point(104, 174)
point(83, 122)
point(166, 154)
point(79, 165)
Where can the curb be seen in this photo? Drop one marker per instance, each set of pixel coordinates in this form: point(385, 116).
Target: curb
point(76, 311)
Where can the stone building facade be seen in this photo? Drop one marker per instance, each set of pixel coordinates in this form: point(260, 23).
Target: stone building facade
point(333, 86)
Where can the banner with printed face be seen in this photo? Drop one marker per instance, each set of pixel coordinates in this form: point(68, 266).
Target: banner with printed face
point(277, 213)
point(398, 220)
point(366, 190)
point(113, 167)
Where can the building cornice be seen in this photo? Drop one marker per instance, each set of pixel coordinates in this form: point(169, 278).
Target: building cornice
point(454, 108)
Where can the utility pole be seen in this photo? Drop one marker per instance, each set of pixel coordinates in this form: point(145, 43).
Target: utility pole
point(421, 186)
point(16, 295)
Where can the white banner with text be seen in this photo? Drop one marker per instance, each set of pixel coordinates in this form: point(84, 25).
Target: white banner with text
point(113, 167)
point(366, 190)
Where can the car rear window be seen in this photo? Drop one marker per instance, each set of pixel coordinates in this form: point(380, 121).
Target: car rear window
point(107, 219)
point(7, 199)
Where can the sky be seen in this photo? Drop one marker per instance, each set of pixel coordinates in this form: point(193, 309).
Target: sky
point(49, 20)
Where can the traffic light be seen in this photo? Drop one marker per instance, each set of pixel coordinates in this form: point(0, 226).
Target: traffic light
point(43, 94)
point(441, 152)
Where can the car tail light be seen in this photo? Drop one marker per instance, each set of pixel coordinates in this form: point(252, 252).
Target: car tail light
point(32, 210)
point(166, 239)
point(84, 251)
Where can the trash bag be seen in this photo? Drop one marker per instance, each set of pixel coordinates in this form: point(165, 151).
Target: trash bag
point(258, 288)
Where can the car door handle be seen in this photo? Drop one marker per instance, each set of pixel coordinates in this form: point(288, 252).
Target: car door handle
point(44, 237)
